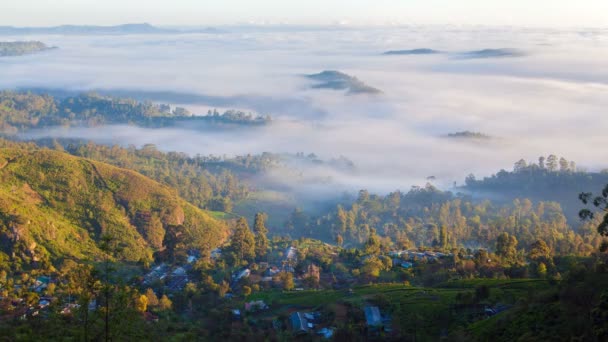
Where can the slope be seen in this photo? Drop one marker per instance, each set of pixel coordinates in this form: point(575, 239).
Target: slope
point(53, 205)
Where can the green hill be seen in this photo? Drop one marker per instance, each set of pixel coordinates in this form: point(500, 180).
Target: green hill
point(53, 205)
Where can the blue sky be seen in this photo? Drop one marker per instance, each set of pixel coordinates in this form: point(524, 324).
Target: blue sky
point(552, 13)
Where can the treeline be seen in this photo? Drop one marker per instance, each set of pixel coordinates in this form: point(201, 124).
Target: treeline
point(552, 178)
point(207, 182)
point(432, 218)
point(25, 110)
point(21, 48)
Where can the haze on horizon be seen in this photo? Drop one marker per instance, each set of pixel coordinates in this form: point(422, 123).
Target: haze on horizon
point(538, 13)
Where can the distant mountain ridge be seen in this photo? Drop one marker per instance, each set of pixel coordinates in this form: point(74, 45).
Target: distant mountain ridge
point(492, 53)
point(423, 51)
point(142, 28)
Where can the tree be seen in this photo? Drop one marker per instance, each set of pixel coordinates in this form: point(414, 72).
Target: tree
point(520, 166)
point(285, 279)
point(242, 243)
point(443, 237)
point(223, 288)
point(541, 269)
point(563, 165)
point(152, 298)
point(372, 267)
point(372, 245)
point(141, 303)
point(539, 251)
point(174, 243)
point(260, 230)
point(339, 240)
point(165, 303)
point(541, 162)
point(506, 246)
point(552, 162)
point(600, 202)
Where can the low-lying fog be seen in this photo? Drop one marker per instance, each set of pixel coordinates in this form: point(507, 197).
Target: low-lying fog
point(549, 97)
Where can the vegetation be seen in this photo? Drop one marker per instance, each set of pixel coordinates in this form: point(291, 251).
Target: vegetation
point(113, 243)
point(330, 79)
point(21, 48)
point(24, 110)
point(54, 206)
point(468, 135)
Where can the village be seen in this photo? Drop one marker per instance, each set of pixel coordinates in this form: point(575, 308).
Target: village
point(254, 293)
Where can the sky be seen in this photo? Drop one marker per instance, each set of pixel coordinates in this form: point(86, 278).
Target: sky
point(535, 13)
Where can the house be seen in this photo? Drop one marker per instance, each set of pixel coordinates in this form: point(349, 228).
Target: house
point(177, 283)
point(272, 271)
point(68, 308)
point(406, 265)
point(236, 314)
point(256, 305)
point(242, 274)
point(326, 333)
point(180, 271)
point(41, 283)
point(216, 253)
point(43, 303)
point(372, 316)
point(158, 273)
point(290, 253)
point(299, 323)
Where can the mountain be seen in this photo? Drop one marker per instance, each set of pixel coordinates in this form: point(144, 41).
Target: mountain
point(412, 52)
point(331, 79)
point(468, 135)
point(55, 206)
point(143, 28)
point(8, 49)
point(492, 53)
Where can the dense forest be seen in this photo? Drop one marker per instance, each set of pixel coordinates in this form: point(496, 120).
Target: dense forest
point(20, 111)
point(131, 243)
point(8, 49)
point(552, 178)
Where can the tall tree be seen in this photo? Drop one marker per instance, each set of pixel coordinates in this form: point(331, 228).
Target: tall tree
point(372, 245)
point(564, 166)
point(242, 242)
point(506, 246)
point(600, 202)
point(260, 230)
point(519, 165)
point(552, 162)
point(541, 162)
point(443, 237)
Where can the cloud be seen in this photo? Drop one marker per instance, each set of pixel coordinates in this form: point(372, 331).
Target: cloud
point(550, 100)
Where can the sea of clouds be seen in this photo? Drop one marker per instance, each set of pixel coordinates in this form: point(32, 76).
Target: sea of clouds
point(550, 97)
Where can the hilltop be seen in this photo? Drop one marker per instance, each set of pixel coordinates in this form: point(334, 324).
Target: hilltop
point(331, 79)
point(55, 206)
point(10, 49)
point(423, 51)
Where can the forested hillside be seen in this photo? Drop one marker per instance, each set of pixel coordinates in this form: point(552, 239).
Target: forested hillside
point(550, 179)
point(54, 206)
point(429, 217)
point(20, 111)
point(21, 48)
